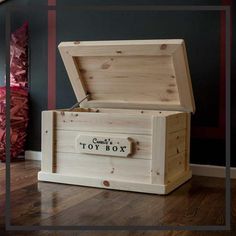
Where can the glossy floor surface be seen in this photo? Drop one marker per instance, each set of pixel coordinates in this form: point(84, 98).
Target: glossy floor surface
point(201, 201)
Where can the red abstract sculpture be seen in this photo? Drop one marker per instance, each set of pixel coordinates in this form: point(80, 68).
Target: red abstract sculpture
point(19, 95)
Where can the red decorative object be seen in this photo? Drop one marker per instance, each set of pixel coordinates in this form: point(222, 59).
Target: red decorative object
point(19, 57)
point(18, 118)
point(19, 96)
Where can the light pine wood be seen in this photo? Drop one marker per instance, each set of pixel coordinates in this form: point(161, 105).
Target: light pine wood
point(158, 149)
point(65, 142)
point(176, 166)
point(104, 167)
point(74, 74)
point(158, 156)
point(115, 184)
point(176, 122)
point(183, 79)
point(122, 47)
point(129, 104)
point(187, 138)
point(130, 74)
point(120, 79)
point(47, 133)
point(176, 142)
point(137, 112)
point(104, 122)
point(138, 99)
point(104, 144)
point(189, 82)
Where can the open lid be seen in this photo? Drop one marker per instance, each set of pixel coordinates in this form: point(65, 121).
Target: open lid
point(134, 74)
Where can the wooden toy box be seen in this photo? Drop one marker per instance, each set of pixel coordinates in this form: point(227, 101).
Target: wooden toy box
point(132, 129)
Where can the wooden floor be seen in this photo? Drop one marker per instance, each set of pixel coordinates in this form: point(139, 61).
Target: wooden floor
point(201, 201)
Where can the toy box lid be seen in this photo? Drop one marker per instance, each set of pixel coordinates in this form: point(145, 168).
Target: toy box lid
point(134, 74)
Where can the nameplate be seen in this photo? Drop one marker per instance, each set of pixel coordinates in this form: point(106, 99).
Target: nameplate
point(101, 145)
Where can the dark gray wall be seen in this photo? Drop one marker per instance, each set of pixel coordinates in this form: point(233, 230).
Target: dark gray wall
point(201, 31)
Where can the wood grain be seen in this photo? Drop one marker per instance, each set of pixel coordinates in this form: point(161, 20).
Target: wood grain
point(146, 74)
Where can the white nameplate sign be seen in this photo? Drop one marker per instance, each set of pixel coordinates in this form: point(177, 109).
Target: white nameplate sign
point(101, 145)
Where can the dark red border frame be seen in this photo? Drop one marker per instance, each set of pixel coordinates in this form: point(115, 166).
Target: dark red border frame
point(197, 131)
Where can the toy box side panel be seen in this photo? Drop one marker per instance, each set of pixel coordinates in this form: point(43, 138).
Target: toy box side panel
point(70, 160)
point(177, 145)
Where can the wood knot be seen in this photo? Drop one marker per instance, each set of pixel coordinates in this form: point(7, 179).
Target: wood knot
point(105, 66)
point(82, 70)
point(165, 99)
point(163, 47)
point(106, 183)
point(170, 91)
point(118, 52)
point(76, 42)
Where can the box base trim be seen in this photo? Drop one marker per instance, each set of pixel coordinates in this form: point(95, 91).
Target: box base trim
point(115, 184)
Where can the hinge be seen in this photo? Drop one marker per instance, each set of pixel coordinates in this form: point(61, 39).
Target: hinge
point(76, 105)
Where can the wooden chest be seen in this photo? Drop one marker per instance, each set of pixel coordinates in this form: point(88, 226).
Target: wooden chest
point(132, 129)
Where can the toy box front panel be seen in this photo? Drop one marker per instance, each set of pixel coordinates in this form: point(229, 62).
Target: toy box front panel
point(72, 149)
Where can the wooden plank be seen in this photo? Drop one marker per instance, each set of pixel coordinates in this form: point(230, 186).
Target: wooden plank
point(103, 122)
point(183, 79)
point(134, 105)
point(108, 71)
point(176, 143)
point(188, 137)
point(137, 112)
point(47, 145)
point(104, 167)
point(178, 180)
point(176, 122)
point(158, 150)
point(74, 74)
point(189, 77)
point(176, 166)
point(65, 142)
point(121, 47)
point(120, 79)
point(99, 182)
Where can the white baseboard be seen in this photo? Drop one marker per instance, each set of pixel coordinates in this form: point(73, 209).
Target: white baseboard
point(33, 155)
point(212, 171)
point(197, 169)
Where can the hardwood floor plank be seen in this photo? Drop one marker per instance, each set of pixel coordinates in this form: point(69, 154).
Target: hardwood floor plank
point(201, 201)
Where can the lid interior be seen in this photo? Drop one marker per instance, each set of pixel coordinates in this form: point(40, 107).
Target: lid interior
point(145, 74)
